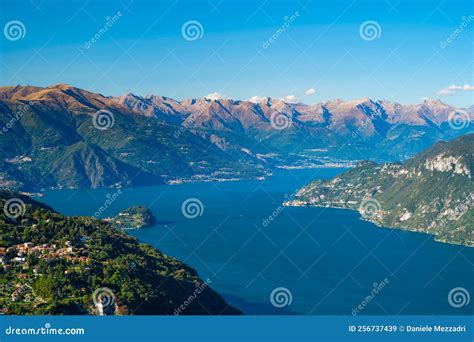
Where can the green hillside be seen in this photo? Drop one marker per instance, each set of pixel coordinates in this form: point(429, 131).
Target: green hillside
point(53, 264)
point(432, 192)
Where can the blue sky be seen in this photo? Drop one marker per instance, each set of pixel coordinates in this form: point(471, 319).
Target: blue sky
point(321, 48)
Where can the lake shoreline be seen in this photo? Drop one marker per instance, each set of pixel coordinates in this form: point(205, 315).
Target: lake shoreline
point(379, 225)
point(244, 263)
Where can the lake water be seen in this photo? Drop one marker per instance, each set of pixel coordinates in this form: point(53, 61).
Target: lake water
point(327, 260)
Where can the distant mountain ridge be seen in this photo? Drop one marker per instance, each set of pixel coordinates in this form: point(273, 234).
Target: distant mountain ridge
point(251, 114)
point(155, 139)
point(433, 192)
point(49, 140)
point(350, 130)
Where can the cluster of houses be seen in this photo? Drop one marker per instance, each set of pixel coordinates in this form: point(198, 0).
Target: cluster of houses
point(43, 251)
point(19, 291)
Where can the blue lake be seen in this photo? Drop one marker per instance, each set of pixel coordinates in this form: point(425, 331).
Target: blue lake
point(328, 260)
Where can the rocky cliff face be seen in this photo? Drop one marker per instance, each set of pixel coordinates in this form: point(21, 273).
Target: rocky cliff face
point(447, 163)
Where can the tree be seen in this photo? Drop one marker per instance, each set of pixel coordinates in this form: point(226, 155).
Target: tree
point(45, 287)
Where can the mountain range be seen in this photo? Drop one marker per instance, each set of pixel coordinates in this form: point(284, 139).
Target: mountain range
point(432, 192)
point(51, 137)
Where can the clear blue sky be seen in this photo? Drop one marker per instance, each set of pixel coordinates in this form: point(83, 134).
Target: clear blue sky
point(144, 51)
